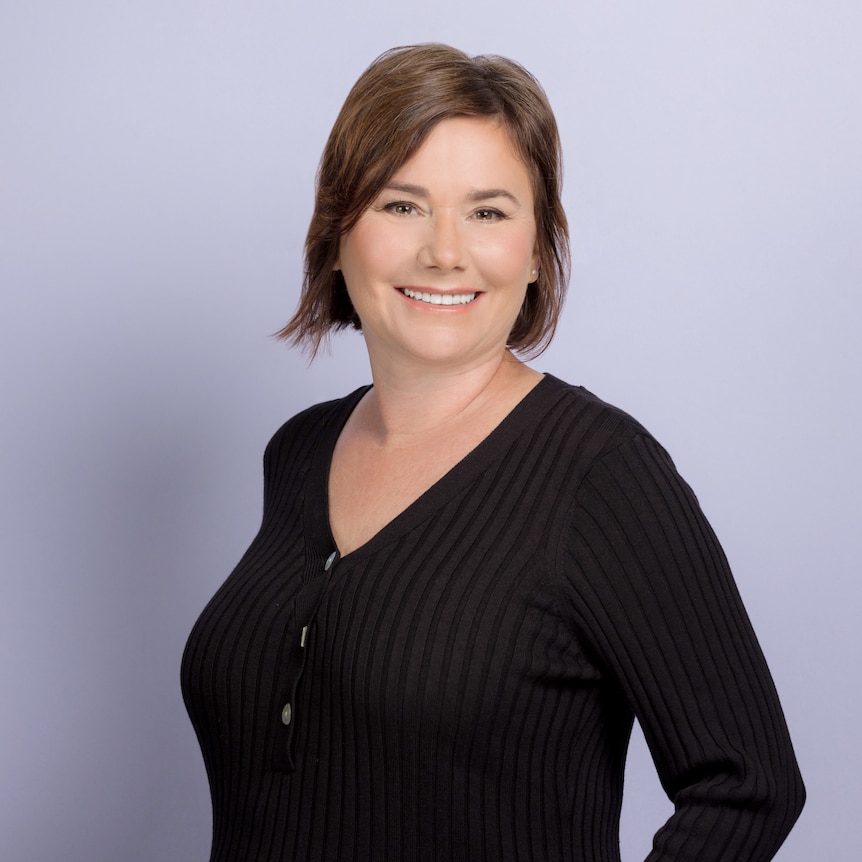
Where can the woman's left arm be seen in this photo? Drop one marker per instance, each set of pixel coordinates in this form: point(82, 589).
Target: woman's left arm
point(655, 597)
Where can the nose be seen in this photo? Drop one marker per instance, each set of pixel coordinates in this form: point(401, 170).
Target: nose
point(443, 245)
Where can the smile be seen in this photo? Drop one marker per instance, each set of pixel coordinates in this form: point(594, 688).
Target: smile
point(439, 298)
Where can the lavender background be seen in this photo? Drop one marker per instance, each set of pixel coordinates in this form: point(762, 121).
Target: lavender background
point(156, 167)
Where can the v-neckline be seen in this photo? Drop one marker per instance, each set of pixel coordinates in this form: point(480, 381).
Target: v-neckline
point(318, 526)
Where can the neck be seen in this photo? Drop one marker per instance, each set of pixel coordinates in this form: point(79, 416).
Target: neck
point(409, 407)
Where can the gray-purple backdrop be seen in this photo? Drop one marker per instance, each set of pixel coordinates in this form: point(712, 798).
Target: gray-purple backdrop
point(156, 168)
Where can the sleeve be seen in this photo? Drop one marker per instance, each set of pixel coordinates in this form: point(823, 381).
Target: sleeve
point(652, 592)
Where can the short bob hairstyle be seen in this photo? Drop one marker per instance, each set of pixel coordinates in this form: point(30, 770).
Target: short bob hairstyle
point(388, 114)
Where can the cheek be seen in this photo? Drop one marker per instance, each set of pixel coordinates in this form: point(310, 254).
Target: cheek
point(509, 259)
point(367, 252)
point(366, 259)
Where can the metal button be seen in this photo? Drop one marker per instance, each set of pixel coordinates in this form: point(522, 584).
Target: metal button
point(329, 561)
point(303, 636)
point(286, 714)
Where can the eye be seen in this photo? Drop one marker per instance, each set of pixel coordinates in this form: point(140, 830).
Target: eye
point(401, 208)
point(488, 215)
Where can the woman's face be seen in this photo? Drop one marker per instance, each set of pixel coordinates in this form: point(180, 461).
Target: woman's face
point(437, 267)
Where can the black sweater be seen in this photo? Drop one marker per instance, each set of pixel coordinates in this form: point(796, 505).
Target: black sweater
point(462, 686)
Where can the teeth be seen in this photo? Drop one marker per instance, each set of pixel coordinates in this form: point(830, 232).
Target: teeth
point(440, 298)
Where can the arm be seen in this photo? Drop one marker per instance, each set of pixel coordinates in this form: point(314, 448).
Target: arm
point(654, 596)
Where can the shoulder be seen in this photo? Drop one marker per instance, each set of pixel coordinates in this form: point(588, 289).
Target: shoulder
point(606, 459)
point(580, 424)
point(622, 482)
point(310, 426)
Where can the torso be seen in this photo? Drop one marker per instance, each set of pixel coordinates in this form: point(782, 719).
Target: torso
point(371, 483)
point(463, 685)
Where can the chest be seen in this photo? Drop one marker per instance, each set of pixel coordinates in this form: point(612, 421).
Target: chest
point(443, 632)
point(370, 486)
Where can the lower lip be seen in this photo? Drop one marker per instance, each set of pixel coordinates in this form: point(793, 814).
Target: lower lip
point(449, 309)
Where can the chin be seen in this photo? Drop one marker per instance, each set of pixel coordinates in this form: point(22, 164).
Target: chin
point(449, 351)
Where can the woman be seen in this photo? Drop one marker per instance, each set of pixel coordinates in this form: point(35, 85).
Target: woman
point(470, 577)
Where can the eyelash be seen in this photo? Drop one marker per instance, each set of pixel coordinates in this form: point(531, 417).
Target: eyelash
point(497, 215)
point(398, 205)
point(395, 206)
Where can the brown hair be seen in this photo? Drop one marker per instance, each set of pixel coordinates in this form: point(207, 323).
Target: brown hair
point(388, 114)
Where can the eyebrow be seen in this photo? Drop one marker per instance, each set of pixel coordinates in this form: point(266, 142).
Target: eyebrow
point(475, 196)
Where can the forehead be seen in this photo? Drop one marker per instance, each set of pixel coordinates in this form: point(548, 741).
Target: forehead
point(460, 147)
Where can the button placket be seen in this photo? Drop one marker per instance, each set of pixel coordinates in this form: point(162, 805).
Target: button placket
point(286, 761)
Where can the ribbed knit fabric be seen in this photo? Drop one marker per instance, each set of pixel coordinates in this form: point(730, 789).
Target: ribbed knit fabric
point(462, 687)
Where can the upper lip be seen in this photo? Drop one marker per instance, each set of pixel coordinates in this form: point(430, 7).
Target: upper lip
point(454, 292)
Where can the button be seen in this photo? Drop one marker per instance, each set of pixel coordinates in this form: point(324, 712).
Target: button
point(329, 561)
point(303, 636)
point(286, 714)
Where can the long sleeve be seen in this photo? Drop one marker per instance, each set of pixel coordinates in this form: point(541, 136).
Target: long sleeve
point(463, 685)
point(651, 593)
